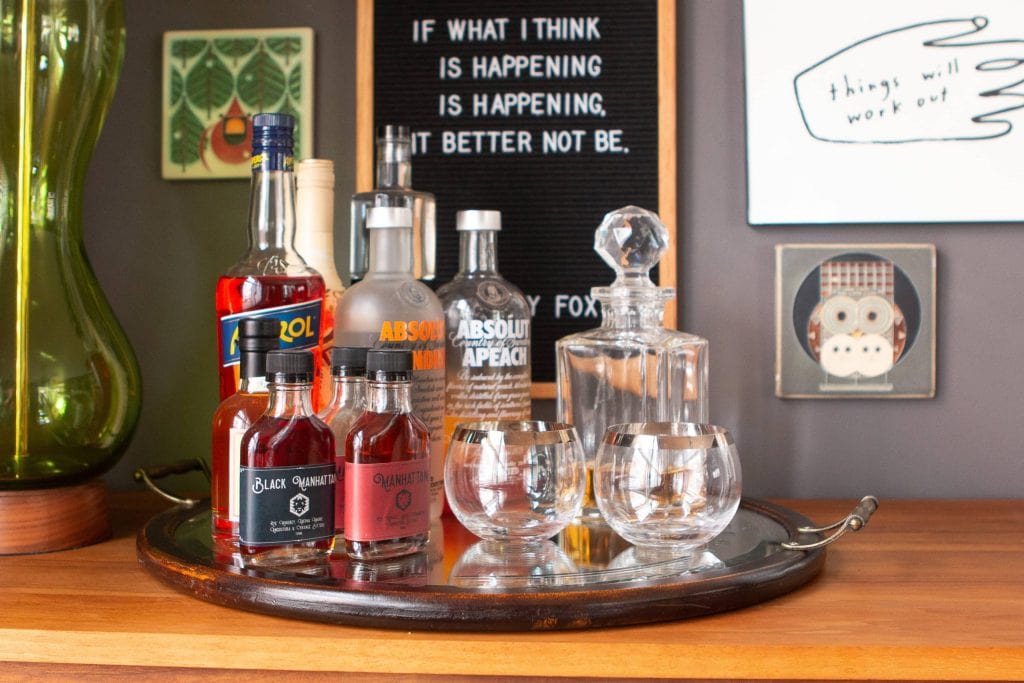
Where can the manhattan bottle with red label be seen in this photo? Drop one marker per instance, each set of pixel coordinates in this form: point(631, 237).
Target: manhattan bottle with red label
point(288, 472)
point(271, 279)
point(390, 308)
point(387, 465)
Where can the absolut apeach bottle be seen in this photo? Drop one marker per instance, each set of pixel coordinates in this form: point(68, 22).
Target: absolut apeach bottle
point(390, 308)
point(631, 368)
point(487, 320)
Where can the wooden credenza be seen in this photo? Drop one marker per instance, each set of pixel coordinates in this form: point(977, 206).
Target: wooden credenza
point(929, 590)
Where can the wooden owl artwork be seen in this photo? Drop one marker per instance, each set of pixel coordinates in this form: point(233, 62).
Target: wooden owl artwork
point(856, 315)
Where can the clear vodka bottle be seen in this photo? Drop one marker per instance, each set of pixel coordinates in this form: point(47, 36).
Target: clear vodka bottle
point(487, 347)
point(631, 368)
point(393, 188)
point(390, 308)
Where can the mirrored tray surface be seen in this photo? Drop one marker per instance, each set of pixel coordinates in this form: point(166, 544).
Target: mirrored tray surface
point(586, 576)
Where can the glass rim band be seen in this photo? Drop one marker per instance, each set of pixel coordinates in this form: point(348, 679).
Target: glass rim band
point(676, 435)
point(516, 432)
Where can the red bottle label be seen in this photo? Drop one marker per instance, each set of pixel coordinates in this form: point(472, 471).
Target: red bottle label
point(387, 501)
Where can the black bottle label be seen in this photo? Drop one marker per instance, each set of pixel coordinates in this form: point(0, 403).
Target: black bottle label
point(281, 505)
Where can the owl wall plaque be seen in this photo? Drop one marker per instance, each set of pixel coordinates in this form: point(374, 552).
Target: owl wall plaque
point(855, 320)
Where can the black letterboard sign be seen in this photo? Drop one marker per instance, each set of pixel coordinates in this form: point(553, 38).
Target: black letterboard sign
point(546, 111)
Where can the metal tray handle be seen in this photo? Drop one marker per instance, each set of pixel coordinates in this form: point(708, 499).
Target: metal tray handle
point(854, 521)
point(148, 475)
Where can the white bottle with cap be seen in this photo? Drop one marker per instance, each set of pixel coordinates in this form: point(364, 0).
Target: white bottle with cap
point(390, 308)
point(488, 331)
point(314, 240)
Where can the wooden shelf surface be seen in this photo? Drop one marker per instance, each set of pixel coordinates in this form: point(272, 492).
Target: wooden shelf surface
point(928, 590)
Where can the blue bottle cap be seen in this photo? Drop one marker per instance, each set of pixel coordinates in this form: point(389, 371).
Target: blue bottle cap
point(272, 142)
point(266, 120)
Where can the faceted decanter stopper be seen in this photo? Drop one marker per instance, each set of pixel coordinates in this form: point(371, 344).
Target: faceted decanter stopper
point(631, 240)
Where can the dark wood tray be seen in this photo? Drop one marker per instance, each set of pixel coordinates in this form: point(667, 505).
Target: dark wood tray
point(587, 577)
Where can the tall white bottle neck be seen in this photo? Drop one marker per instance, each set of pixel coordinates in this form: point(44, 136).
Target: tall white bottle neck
point(314, 210)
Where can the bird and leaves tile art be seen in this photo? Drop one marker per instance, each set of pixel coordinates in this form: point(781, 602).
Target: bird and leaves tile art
point(214, 81)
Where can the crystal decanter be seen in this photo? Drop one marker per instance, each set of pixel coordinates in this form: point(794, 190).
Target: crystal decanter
point(631, 368)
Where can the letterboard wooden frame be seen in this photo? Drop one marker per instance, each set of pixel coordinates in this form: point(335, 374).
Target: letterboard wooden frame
point(644, 85)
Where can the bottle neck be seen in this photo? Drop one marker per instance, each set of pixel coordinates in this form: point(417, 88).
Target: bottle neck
point(314, 228)
point(394, 164)
point(349, 390)
point(272, 211)
point(391, 250)
point(253, 385)
point(290, 400)
point(389, 397)
point(627, 313)
point(478, 251)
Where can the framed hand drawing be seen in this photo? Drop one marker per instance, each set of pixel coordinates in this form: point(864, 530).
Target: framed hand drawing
point(881, 111)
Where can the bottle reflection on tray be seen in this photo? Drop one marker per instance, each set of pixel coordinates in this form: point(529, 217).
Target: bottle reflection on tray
point(408, 570)
point(497, 564)
point(591, 543)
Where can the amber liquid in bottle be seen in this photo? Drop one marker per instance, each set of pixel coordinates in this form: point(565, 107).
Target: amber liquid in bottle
point(387, 512)
point(256, 293)
point(288, 472)
point(233, 418)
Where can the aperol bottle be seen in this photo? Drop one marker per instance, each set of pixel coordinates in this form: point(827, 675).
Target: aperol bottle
point(387, 465)
point(271, 279)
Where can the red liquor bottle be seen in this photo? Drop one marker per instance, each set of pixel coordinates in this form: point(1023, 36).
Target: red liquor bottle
point(270, 279)
point(387, 465)
point(287, 476)
point(234, 416)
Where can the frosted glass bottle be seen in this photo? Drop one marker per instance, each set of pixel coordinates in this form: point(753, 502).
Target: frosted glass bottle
point(390, 308)
point(487, 323)
point(631, 368)
point(314, 240)
point(394, 188)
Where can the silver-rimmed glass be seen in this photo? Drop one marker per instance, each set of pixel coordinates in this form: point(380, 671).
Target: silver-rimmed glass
point(667, 484)
point(515, 480)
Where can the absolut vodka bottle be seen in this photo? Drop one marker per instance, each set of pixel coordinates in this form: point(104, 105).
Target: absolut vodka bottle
point(487, 339)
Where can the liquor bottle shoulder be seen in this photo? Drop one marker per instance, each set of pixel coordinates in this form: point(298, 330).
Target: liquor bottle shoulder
point(483, 290)
point(239, 411)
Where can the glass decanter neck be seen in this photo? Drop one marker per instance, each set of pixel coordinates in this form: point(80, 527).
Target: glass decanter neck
point(633, 312)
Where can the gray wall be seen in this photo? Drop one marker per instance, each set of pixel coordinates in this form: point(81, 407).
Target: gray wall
point(158, 246)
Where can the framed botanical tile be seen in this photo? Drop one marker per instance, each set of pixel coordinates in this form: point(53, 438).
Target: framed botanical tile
point(214, 81)
point(855, 320)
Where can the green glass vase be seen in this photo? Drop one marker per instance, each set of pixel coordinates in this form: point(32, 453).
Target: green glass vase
point(70, 391)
